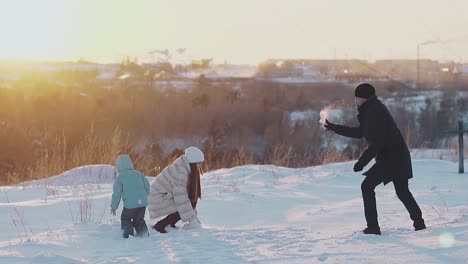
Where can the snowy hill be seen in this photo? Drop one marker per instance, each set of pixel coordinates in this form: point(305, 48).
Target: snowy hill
point(249, 214)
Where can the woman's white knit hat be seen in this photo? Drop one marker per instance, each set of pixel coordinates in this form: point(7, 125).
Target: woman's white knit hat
point(194, 155)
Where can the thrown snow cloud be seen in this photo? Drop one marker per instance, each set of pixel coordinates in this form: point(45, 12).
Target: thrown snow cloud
point(334, 111)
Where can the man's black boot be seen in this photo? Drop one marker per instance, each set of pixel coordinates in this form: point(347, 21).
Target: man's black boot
point(372, 231)
point(419, 225)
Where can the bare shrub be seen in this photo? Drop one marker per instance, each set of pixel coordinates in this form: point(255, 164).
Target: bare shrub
point(281, 155)
point(103, 212)
point(242, 158)
point(85, 212)
point(51, 191)
point(332, 156)
point(19, 222)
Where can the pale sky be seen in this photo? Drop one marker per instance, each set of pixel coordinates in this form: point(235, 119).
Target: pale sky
point(238, 31)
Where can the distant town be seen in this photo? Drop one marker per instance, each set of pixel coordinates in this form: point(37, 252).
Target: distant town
point(422, 73)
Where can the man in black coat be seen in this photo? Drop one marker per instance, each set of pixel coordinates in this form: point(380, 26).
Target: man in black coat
point(392, 157)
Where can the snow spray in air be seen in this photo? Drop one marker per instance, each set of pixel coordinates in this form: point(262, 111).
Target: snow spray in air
point(333, 111)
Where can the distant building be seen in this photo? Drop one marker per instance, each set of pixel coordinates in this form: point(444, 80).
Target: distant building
point(461, 76)
point(429, 70)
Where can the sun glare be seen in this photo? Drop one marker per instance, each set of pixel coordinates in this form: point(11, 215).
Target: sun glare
point(33, 29)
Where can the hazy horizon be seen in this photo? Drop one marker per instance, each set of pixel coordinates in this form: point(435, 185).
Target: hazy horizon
point(85, 60)
point(238, 32)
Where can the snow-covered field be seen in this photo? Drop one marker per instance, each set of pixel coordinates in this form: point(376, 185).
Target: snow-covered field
point(249, 214)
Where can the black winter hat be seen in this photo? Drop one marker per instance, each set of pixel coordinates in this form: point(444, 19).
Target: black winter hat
point(364, 90)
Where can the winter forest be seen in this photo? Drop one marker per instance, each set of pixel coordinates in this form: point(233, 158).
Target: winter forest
point(68, 118)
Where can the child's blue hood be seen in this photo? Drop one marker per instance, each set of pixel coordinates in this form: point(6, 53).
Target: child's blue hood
point(123, 163)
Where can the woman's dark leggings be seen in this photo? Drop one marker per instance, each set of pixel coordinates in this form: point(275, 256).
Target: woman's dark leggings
point(173, 218)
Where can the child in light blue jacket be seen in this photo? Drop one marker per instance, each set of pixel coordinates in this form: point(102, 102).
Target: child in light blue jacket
point(133, 188)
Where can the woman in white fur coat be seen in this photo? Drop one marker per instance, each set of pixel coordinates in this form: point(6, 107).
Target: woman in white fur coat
point(176, 190)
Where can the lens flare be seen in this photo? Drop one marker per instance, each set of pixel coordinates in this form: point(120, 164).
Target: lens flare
point(446, 240)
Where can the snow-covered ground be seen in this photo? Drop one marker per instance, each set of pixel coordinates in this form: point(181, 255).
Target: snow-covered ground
point(249, 214)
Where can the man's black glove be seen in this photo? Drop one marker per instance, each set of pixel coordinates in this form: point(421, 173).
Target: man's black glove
point(358, 166)
point(329, 126)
